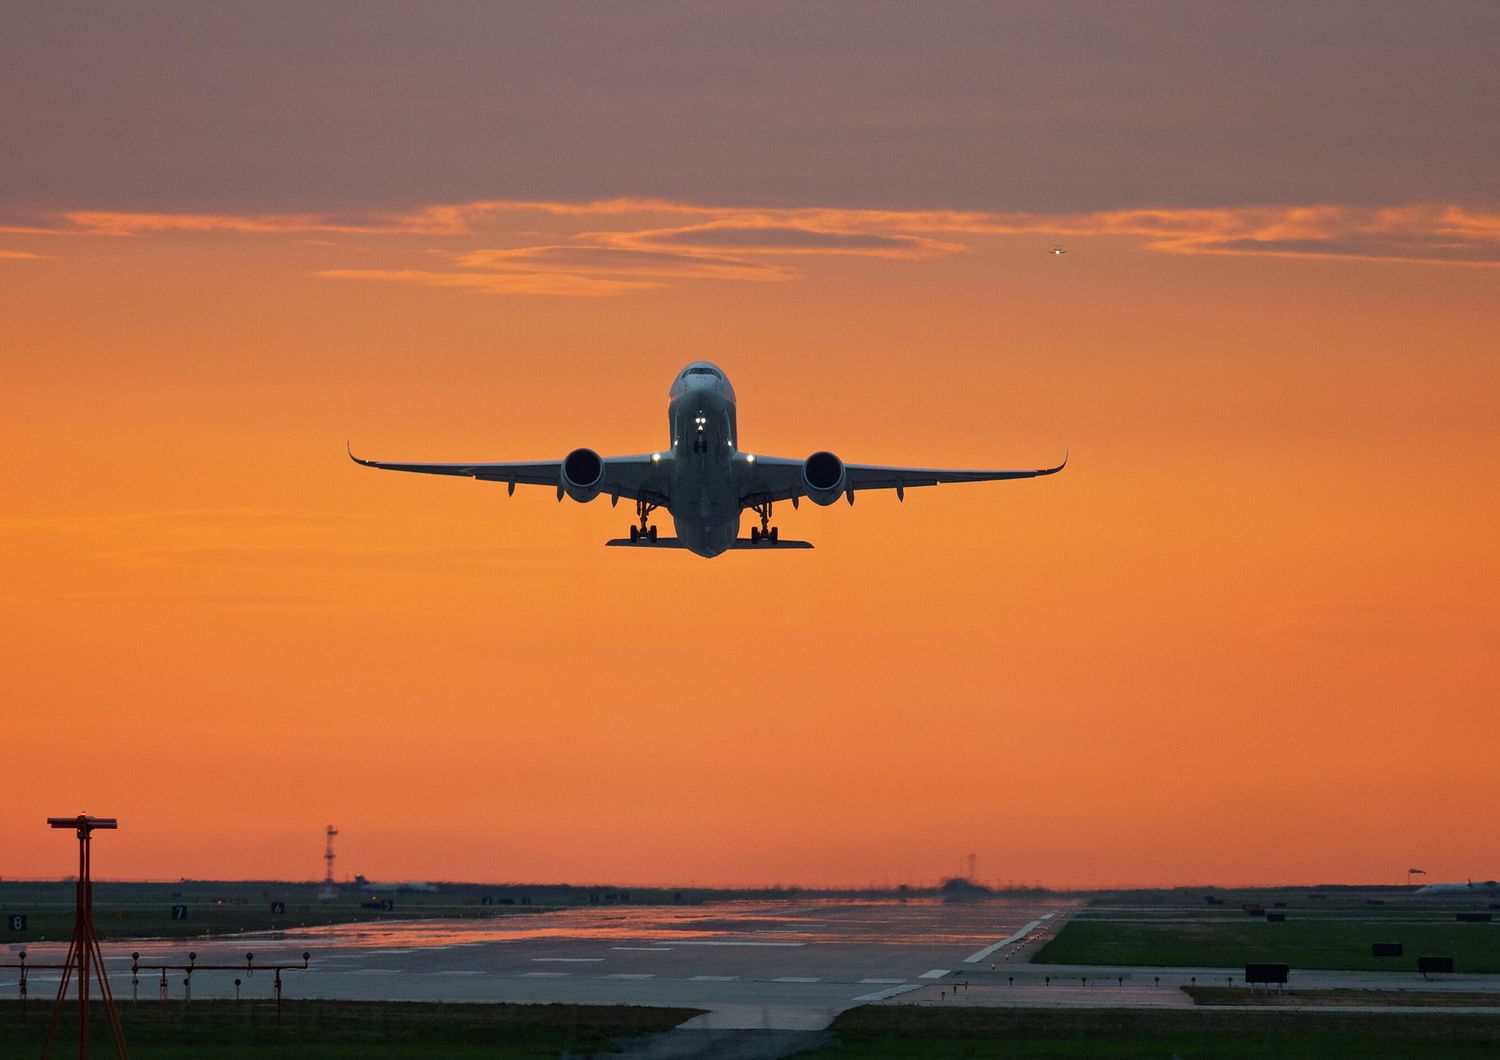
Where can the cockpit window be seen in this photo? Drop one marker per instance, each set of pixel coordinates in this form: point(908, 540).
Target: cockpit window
point(700, 370)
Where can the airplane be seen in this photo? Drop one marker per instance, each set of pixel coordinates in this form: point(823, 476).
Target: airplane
point(1057, 248)
point(703, 479)
point(362, 884)
point(1481, 887)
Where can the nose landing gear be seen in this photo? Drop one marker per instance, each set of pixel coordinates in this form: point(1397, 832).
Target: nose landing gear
point(644, 532)
point(765, 532)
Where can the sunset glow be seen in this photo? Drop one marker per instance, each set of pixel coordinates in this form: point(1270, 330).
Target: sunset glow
point(1248, 636)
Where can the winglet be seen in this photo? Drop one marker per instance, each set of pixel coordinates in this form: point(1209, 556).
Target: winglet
point(1059, 467)
point(350, 450)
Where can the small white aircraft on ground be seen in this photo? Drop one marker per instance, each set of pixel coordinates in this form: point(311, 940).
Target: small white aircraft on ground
point(703, 479)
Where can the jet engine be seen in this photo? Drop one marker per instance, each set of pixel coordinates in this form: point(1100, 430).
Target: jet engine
point(582, 475)
point(823, 478)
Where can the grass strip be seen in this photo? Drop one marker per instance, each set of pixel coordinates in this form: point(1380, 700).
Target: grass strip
point(1221, 995)
point(242, 1030)
point(1321, 944)
point(918, 1032)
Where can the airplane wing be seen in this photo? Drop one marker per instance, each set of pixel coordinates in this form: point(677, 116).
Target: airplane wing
point(776, 478)
point(634, 477)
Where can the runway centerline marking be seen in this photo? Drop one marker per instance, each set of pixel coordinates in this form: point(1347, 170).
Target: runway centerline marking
point(571, 960)
point(936, 973)
point(885, 981)
point(979, 955)
point(644, 949)
point(630, 975)
point(700, 942)
point(545, 975)
point(714, 978)
point(797, 979)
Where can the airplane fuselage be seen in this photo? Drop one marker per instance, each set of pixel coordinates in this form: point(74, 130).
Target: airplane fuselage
point(705, 488)
point(703, 478)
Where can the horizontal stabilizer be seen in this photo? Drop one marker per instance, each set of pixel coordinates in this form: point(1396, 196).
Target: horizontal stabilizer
point(673, 542)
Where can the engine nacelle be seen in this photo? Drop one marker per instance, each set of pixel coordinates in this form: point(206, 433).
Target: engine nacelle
point(582, 475)
point(823, 478)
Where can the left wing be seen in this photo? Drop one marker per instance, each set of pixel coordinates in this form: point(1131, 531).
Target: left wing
point(776, 478)
point(639, 477)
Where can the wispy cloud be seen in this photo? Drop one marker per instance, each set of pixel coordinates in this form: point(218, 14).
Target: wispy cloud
point(604, 258)
point(501, 282)
point(19, 255)
point(773, 237)
point(618, 246)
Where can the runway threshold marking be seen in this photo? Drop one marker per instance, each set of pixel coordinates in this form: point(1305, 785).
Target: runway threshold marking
point(979, 955)
point(881, 995)
point(936, 973)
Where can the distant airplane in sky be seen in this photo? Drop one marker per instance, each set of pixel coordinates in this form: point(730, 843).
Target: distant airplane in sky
point(1057, 248)
point(703, 480)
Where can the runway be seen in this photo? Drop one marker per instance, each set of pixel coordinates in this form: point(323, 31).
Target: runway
point(783, 966)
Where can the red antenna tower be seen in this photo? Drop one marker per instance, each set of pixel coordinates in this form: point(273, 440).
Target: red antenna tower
point(329, 890)
point(83, 950)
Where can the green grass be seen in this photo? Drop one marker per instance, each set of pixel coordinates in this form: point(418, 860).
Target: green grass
point(917, 1032)
point(1315, 944)
point(335, 1030)
point(136, 910)
point(1224, 995)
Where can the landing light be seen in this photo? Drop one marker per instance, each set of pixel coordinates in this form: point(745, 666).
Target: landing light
point(749, 458)
point(655, 457)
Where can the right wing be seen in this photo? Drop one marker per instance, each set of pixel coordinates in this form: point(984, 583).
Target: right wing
point(777, 478)
point(641, 477)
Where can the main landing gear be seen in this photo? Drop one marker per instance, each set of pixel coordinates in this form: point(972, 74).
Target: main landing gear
point(765, 532)
point(645, 532)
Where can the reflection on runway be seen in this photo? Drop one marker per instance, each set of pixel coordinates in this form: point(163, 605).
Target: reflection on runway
point(760, 964)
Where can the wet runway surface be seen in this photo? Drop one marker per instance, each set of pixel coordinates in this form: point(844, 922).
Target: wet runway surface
point(790, 965)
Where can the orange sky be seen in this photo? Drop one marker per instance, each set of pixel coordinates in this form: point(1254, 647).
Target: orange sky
point(1249, 635)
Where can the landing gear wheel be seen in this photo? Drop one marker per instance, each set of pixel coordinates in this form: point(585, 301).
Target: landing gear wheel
point(775, 534)
point(765, 532)
point(645, 531)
